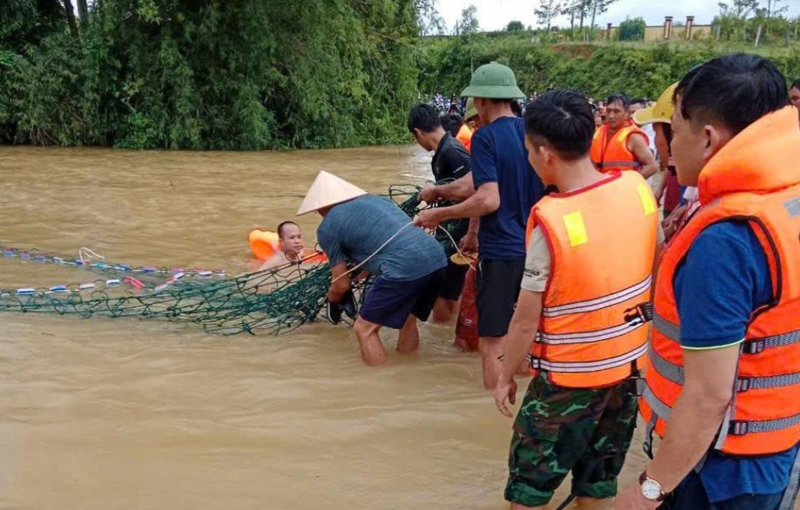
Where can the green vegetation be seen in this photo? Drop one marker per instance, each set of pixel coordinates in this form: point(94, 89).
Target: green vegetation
point(255, 74)
point(218, 74)
point(595, 69)
point(632, 30)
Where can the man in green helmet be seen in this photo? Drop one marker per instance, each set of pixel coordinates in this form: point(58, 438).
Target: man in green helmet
point(505, 189)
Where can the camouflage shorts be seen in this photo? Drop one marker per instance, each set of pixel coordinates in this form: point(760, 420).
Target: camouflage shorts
point(558, 430)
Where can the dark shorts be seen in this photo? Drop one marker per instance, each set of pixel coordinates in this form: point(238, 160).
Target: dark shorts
point(498, 284)
point(453, 283)
point(558, 430)
point(390, 302)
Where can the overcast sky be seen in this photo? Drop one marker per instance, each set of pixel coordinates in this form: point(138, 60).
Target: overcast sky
point(495, 14)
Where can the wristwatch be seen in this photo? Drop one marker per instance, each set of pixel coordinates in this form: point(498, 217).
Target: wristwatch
point(651, 489)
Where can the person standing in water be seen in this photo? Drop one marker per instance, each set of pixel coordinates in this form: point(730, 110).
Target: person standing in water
point(505, 189)
point(579, 317)
point(450, 161)
point(372, 234)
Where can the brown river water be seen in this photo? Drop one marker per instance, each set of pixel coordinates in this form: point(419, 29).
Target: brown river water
point(145, 414)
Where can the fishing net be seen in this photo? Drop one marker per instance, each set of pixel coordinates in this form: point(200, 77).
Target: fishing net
point(272, 301)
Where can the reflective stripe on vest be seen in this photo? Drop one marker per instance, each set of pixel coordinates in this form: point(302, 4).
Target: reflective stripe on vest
point(582, 367)
point(600, 303)
point(590, 336)
point(674, 373)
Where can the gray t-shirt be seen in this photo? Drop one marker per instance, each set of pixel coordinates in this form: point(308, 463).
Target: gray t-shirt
point(355, 230)
point(537, 263)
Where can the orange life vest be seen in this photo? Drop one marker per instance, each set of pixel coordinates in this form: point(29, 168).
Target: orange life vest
point(464, 136)
point(609, 155)
point(754, 178)
point(602, 242)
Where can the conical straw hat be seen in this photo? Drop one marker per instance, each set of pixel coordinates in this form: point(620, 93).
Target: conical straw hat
point(326, 191)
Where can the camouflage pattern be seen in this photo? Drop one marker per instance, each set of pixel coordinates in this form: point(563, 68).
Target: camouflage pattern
point(558, 430)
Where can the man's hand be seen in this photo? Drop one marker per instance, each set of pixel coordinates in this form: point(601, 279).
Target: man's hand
point(333, 296)
point(429, 218)
point(469, 243)
point(505, 390)
point(632, 499)
point(428, 193)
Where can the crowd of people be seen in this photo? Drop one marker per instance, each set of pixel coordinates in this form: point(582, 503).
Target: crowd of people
point(575, 285)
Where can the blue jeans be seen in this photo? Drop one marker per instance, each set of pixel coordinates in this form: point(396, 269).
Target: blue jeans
point(691, 495)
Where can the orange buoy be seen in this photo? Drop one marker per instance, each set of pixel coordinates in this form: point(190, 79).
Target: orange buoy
point(263, 243)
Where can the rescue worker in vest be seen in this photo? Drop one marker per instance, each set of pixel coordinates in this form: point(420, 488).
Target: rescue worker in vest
point(619, 144)
point(723, 377)
point(591, 248)
point(505, 189)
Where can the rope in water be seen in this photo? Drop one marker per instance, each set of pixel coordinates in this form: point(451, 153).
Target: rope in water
point(274, 301)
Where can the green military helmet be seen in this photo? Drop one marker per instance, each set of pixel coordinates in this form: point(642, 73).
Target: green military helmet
point(493, 81)
point(471, 110)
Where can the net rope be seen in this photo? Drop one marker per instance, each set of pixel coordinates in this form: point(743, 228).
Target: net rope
point(272, 301)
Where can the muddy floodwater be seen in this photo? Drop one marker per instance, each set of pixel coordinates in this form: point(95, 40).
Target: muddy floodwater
point(146, 414)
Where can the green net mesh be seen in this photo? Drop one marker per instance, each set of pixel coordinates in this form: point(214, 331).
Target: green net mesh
point(273, 301)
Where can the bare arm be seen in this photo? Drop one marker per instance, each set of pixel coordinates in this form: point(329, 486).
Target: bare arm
point(340, 283)
point(457, 191)
point(639, 148)
point(697, 415)
point(521, 333)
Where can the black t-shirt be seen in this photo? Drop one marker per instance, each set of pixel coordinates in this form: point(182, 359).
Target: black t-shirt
point(451, 159)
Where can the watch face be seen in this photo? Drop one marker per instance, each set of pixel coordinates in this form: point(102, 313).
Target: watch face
point(651, 490)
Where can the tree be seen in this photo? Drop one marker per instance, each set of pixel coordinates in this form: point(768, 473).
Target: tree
point(599, 7)
point(576, 9)
point(515, 26)
point(468, 24)
point(83, 10)
point(73, 26)
point(548, 11)
point(774, 8)
point(632, 29)
point(739, 9)
point(428, 18)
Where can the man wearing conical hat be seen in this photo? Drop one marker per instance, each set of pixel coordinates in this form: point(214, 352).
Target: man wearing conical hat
point(362, 232)
point(506, 187)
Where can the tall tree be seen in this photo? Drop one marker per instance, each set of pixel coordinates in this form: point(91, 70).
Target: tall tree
point(738, 8)
point(83, 10)
point(599, 7)
point(428, 18)
point(468, 24)
point(548, 11)
point(73, 26)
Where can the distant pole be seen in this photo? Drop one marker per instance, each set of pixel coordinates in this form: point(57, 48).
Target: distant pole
point(758, 35)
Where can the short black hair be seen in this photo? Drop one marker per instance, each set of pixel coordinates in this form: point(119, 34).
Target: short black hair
point(452, 123)
point(516, 109)
point(562, 119)
point(621, 97)
point(639, 100)
point(282, 226)
point(795, 84)
point(423, 117)
point(735, 90)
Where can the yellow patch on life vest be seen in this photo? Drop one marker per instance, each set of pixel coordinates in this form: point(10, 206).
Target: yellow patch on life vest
point(576, 230)
point(646, 196)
